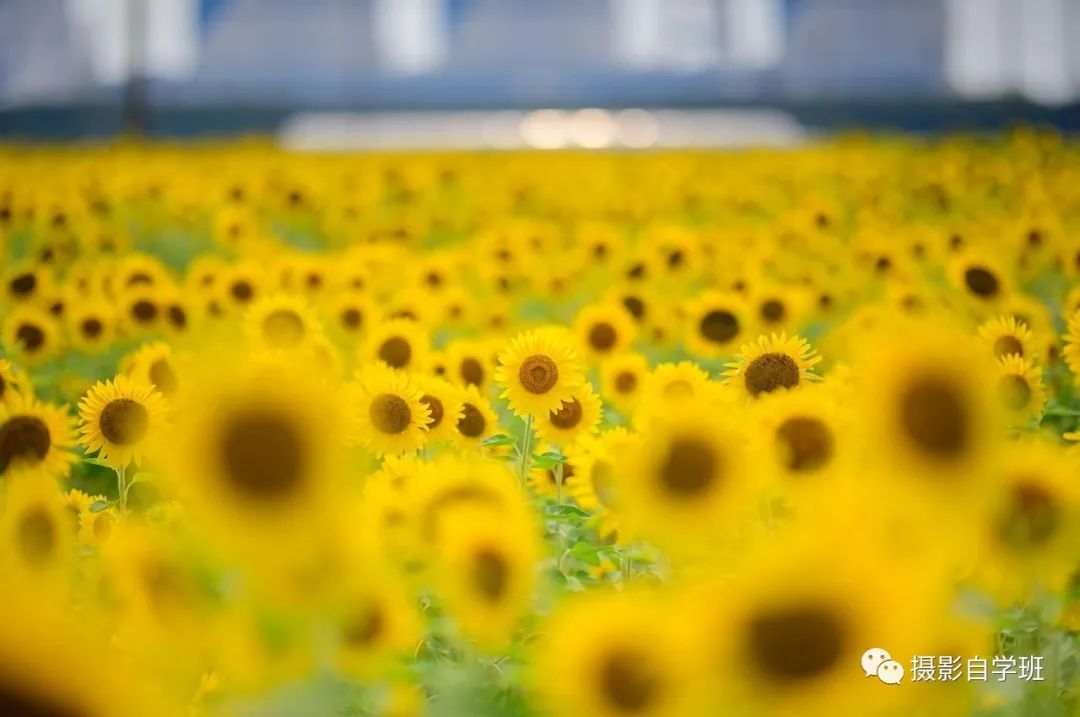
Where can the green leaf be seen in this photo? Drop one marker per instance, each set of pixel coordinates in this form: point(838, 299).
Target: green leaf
point(586, 553)
point(95, 461)
point(548, 461)
point(99, 505)
point(564, 511)
point(498, 440)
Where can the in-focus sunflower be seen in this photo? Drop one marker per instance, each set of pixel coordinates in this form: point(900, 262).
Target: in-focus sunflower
point(578, 416)
point(31, 335)
point(617, 655)
point(604, 330)
point(443, 402)
point(386, 412)
point(36, 439)
point(772, 362)
point(477, 419)
point(399, 343)
point(1005, 335)
point(281, 322)
point(622, 379)
point(121, 421)
point(1020, 388)
point(13, 383)
point(538, 371)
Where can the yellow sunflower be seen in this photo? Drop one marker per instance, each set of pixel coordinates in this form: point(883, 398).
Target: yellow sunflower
point(1020, 388)
point(470, 363)
point(604, 330)
point(538, 371)
point(399, 343)
point(444, 404)
point(352, 313)
point(477, 419)
point(91, 325)
point(772, 362)
point(715, 323)
point(386, 411)
point(13, 383)
point(979, 276)
point(1005, 335)
point(31, 335)
point(281, 322)
point(121, 421)
point(36, 439)
point(36, 526)
point(622, 379)
point(578, 416)
point(153, 364)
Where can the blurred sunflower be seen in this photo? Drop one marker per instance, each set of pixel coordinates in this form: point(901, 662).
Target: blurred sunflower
point(1020, 388)
point(281, 322)
point(622, 379)
point(399, 343)
point(36, 439)
point(31, 335)
point(477, 420)
point(579, 415)
point(604, 330)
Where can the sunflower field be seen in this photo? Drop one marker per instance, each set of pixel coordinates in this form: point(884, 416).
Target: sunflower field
point(654, 434)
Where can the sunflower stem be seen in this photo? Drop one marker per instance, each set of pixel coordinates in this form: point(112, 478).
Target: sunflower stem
point(121, 484)
point(526, 452)
point(558, 501)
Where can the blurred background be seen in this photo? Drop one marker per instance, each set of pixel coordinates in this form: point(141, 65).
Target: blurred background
point(540, 73)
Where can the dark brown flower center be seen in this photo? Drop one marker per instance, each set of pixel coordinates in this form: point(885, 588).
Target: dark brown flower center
point(31, 337)
point(808, 442)
point(935, 417)
point(390, 413)
point(472, 422)
point(396, 352)
point(538, 374)
point(124, 421)
point(242, 291)
point(365, 628)
point(352, 318)
point(17, 701)
point(719, 326)
point(981, 282)
point(144, 311)
point(773, 310)
point(178, 317)
point(1032, 517)
point(1006, 345)
point(628, 680)
point(490, 575)
point(472, 372)
point(797, 643)
point(23, 285)
point(690, 468)
point(163, 377)
point(568, 415)
point(635, 306)
point(23, 439)
point(263, 455)
point(91, 328)
point(435, 409)
point(625, 382)
point(771, 371)
point(602, 337)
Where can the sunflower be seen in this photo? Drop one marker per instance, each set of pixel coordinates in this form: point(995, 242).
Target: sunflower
point(281, 322)
point(1020, 388)
point(386, 411)
point(141, 309)
point(1072, 347)
point(485, 571)
point(538, 371)
point(802, 435)
point(240, 285)
point(617, 655)
point(376, 625)
point(545, 481)
point(153, 365)
point(1031, 531)
point(31, 335)
point(36, 439)
point(121, 421)
point(477, 419)
point(686, 478)
point(36, 526)
point(26, 283)
point(622, 379)
point(13, 383)
point(444, 404)
point(470, 363)
point(979, 276)
point(399, 343)
point(139, 270)
point(1005, 335)
point(715, 322)
point(351, 313)
point(91, 325)
point(772, 362)
point(604, 330)
point(579, 415)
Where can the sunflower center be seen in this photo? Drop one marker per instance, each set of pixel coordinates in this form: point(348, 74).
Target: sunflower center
point(1014, 392)
point(625, 382)
point(390, 413)
point(263, 455)
point(396, 352)
point(36, 535)
point(14, 700)
point(538, 374)
point(178, 317)
point(602, 336)
point(796, 643)
point(773, 311)
point(934, 416)
point(472, 372)
point(490, 574)
point(635, 306)
point(91, 328)
point(124, 421)
point(31, 337)
point(568, 415)
point(364, 629)
point(690, 468)
point(435, 408)
point(23, 439)
point(719, 326)
point(283, 328)
point(1032, 517)
point(352, 318)
point(627, 682)
point(981, 281)
point(808, 441)
point(1006, 345)
point(568, 473)
point(472, 422)
point(771, 371)
point(242, 291)
point(163, 377)
point(144, 310)
point(23, 284)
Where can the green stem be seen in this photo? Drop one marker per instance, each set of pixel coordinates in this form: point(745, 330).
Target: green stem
point(558, 502)
point(122, 486)
point(526, 452)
